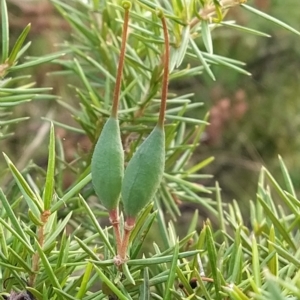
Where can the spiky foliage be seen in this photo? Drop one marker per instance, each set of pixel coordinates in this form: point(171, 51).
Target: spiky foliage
point(256, 258)
point(16, 89)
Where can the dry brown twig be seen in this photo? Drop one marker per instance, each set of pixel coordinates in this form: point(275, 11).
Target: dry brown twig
point(210, 11)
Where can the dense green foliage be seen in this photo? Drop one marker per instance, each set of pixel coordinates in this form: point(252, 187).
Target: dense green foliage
point(52, 244)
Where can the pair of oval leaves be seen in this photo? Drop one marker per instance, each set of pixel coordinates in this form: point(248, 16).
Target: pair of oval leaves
point(138, 184)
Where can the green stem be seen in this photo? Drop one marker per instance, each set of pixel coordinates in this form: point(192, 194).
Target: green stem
point(114, 112)
point(164, 93)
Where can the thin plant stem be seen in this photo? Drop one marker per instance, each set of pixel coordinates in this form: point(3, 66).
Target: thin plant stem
point(114, 112)
point(114, 214)
point(129, 225)
point(210, 10)
point(164, 93)
point(115, 222)
point(130, 222)
point(36, 258)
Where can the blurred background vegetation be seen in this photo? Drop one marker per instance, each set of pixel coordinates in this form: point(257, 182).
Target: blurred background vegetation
point(253, 119)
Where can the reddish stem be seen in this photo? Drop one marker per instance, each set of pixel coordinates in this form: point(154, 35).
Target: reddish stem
point(36, 257)
point(164, 93)
point(114, 112)
point(115, 222)
point(129, 225)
